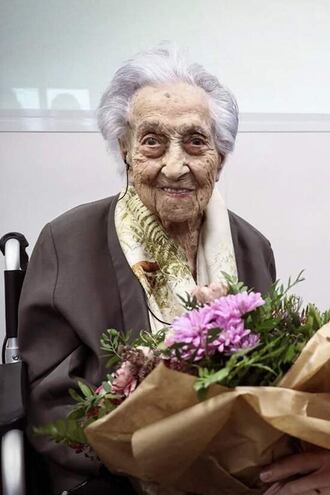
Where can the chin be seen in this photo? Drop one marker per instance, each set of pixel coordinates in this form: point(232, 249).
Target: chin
point(176, 217)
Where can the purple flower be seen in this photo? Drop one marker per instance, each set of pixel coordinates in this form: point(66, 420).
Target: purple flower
point(248, 301)
point(251, 340)
point(192, 330)
point(230, 309)
point(234, 339)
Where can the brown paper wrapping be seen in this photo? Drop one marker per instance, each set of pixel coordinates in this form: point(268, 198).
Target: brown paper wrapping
point(162, 432)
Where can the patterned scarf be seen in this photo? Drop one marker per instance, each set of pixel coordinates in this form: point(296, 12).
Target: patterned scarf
point(161, 265)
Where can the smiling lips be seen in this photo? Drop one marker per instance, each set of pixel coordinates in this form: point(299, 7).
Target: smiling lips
point(177, 191)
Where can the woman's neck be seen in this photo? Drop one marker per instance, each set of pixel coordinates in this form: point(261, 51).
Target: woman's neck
point(186, 235)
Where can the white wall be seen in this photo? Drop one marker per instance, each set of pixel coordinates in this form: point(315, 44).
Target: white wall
point(273, 55)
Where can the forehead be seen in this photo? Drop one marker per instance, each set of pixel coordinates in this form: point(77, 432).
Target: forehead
point(171, 104)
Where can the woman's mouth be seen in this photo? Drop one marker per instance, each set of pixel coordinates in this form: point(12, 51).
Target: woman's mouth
point(177, 191)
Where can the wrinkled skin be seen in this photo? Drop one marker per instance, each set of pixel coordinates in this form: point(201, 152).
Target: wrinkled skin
point(170, 144)
point(302, 474)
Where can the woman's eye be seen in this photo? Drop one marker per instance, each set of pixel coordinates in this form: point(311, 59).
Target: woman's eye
point(150, 141)
point(196, 141)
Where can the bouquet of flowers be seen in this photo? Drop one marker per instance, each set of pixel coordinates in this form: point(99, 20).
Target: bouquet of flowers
point(237, 381)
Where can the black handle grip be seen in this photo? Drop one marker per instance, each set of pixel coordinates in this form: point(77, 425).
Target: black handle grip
point(13, 286)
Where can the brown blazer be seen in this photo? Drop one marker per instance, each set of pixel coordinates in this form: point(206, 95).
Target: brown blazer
point(77, 285)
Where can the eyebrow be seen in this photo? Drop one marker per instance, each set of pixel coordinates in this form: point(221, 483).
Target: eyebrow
point(151, 126)
point(193, 129)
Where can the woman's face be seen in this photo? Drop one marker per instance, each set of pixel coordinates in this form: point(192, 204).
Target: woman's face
point(170, 148)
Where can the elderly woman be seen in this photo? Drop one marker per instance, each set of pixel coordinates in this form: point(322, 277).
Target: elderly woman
point(122, 261)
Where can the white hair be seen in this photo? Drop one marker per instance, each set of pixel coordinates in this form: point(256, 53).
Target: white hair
point(161, 65)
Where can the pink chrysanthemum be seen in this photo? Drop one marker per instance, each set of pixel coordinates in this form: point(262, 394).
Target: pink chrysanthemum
point(192, 329)
point(248, 301)
point(230, 309)
point(234, 339)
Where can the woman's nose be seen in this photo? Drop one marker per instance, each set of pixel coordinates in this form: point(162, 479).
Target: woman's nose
point(174, 163)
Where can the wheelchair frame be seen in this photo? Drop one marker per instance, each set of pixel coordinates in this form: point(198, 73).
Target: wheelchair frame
point(12, 371)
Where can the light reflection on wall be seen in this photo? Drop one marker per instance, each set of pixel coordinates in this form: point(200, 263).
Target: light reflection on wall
point(68, 99)
point(27, 98)
point(49, 99)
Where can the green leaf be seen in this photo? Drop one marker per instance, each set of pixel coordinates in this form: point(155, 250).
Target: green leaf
point(75, 396)
point(234, 286)
point(262, 367)
point(201, 393)
point(62, 431)
point(189, 302)
point(210, 379)
point(112, 361)
point(325, 317)
point(85, 389)
point(290, 354)
point(106, 386)
point(314, 313)
point(76, 413)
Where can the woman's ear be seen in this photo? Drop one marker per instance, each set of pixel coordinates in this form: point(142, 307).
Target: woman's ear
point(125, 151)
point(123, 148)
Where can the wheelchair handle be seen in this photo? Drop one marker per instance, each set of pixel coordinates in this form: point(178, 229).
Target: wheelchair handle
point(13, 245)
